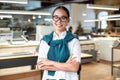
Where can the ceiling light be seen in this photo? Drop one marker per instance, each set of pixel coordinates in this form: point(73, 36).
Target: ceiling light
point(96, 20)
point(113, 19)
point(84, 14)
point(1, 18)
point(14, 1)
point(6, 16)
point(29, 20)
point(111, 16)
point(39, 16)
point(33, 17)
point(91, 6)
point(24, 12)
point(47, 19)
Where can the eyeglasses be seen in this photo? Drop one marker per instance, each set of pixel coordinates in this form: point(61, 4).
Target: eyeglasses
point(63, 18)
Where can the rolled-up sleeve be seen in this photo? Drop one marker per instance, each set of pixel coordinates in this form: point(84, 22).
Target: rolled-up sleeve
point(75, 49)
point(43, 49)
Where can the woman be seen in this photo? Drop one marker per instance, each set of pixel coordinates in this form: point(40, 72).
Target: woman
point(59, 52)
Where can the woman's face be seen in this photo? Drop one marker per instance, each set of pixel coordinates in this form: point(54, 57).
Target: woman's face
point(60, 20)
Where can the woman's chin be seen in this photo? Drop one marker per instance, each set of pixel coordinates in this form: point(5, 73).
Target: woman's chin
point(61, 29)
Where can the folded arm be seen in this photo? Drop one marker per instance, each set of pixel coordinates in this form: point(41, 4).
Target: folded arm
point(71, 65)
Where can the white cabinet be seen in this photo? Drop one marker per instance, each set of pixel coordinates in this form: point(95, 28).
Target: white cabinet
point(105, 48)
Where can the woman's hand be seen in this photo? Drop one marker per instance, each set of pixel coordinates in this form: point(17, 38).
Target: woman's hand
point(71, 59)
point(44, 62)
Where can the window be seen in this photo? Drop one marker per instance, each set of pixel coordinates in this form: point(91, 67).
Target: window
point(103, 24)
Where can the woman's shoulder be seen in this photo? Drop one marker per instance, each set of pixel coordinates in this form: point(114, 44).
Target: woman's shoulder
point(74, 40)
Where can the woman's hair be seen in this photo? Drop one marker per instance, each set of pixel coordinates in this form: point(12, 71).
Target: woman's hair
point(70, 28)
point(62, 7)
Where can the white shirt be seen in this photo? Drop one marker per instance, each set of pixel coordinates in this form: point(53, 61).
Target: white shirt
point(74, 47)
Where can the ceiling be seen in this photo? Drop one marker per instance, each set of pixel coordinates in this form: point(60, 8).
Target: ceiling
point(38, 4)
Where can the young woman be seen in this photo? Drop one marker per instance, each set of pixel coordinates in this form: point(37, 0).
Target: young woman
point(59, 52)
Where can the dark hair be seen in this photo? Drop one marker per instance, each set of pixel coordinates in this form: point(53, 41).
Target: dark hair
point(70, 28)
point(62, 7)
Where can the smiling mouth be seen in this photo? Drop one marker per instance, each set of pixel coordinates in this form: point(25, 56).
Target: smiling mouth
point(59, 26)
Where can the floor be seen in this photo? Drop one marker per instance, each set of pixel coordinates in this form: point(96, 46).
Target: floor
point(90, 71)
point(96, 71)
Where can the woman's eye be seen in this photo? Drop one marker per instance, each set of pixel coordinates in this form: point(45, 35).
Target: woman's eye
point(56, 17)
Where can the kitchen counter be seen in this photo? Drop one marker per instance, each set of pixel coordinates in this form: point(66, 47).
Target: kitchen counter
point(17, 47)
point(18, 54)
point(16, 61)
point(19, 44)
point(6, 56)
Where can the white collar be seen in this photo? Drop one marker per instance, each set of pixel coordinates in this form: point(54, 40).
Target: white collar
point(61, 36)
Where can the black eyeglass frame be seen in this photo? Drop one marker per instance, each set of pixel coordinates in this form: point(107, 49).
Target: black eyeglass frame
point(63, 18)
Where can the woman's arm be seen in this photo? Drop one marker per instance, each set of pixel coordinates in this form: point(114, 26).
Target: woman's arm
point(50, 68)
point(71, 65)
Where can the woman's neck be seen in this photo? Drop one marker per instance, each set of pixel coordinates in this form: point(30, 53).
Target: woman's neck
point(59, 32)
